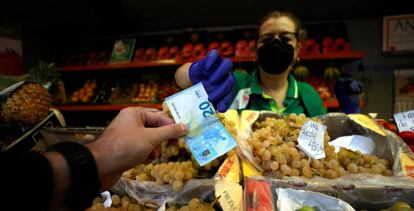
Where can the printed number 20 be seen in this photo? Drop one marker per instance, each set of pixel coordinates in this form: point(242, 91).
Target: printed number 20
point(207, 110)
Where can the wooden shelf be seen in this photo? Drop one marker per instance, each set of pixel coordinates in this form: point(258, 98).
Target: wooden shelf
point(159, 63)
point(338, 55)
point(171, 62)
point(105, 107)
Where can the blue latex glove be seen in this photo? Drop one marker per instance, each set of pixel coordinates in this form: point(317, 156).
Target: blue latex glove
point(216, 74)
point(347, 91)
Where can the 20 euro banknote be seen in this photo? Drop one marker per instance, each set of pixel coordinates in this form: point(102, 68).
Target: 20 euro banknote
point(207, 138)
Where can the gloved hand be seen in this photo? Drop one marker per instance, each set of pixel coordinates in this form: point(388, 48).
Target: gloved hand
point(216, 74)
point(347, 91)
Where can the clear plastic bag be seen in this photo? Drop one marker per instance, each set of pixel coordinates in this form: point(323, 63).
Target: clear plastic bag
point(229, 194)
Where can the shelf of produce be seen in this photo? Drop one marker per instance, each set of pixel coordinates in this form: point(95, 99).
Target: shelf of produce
point(105, 107)
point(172, 62)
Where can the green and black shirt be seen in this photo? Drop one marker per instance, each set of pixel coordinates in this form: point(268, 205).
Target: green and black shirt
point(300, 97)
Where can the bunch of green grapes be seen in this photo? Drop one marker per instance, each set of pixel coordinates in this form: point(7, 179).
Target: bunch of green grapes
point(194, 204)
point(274, 142)
point(172, 173)
point(356, 162)
point(274, 146)
point(118, 204)
point(171, 149)
point(141, 172)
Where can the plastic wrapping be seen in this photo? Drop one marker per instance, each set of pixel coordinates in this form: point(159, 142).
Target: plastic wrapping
point(371, 192)
point(291, 200)
point(360, 190)
point(229, 194)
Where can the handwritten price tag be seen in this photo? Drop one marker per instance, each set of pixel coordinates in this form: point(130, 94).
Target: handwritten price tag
point(311, 139)
point(405, 121)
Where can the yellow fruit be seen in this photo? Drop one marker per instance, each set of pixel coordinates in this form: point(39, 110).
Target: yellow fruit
point(301, 72)
point(29, 104)
point(400, 206)
point(331, 74)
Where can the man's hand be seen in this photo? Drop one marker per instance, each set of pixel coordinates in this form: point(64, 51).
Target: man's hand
point(129, 140)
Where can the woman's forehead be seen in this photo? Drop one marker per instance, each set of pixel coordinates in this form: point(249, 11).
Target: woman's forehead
point(277, 25)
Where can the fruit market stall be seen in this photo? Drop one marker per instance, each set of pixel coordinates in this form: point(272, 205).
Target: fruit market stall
point(271, 161)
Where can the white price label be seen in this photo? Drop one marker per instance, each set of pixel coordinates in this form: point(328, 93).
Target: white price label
point(405, 121)
point(311, 139)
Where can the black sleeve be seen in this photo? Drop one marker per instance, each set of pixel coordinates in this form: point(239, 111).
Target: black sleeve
point(26, 181)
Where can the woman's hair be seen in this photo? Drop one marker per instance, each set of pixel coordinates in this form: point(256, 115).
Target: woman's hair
point(277, 14)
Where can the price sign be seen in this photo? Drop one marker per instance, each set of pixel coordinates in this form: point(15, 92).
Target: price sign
point(311, 139)
point(405, 121)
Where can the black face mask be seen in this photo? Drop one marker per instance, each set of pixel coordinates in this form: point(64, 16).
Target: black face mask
point(275, 56)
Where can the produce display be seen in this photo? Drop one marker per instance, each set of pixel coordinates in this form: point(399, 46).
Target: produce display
point(301, 72)
point(144, 92)
point(122, 92)
point(193, 204)
point(331, 74)
point(85, 94)
point(274, 141)
point(175, 165)
point(330, 44)
point(324, 89)
point(172, 173)
point(245, 48)
point(167, 89)
point(309, 46)
point(322, 85)
point(124, 203)
point(327, 45)
point(98, 58)
point(407, 136)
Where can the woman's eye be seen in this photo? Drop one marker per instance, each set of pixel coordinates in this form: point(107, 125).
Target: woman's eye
point(285, 38)
point(267, 39)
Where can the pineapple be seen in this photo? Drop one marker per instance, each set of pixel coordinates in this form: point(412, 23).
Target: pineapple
point(30, 103)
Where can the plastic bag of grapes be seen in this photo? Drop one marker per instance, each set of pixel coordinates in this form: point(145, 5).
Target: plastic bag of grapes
point(269, 141)
point(206, 194)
